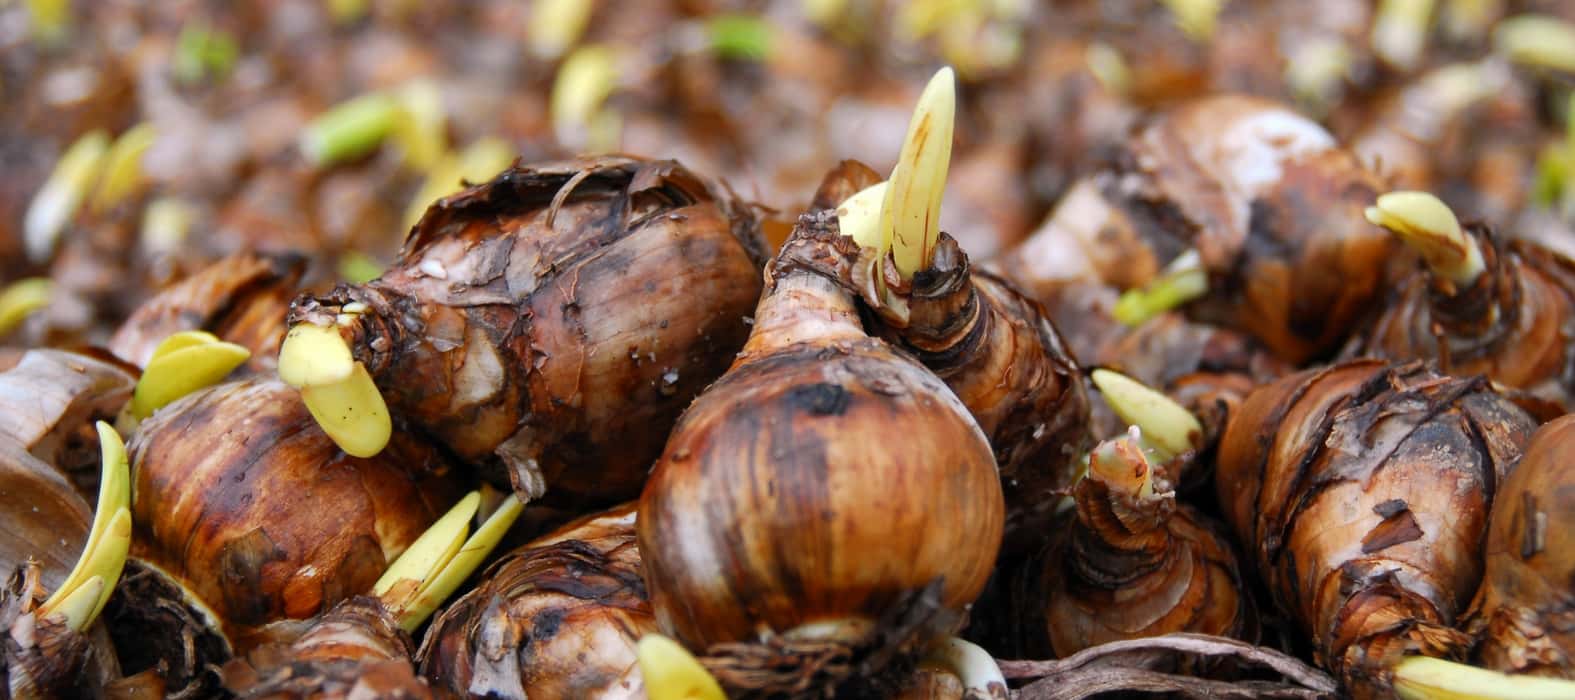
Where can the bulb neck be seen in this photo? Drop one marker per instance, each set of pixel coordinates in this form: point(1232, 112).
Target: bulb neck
point(803, 298)
point(1483, 311)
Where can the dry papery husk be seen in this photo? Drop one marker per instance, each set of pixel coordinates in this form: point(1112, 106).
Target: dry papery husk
point(1127, 667)
point(242, 299)
point(355, 650)
point(49, 401)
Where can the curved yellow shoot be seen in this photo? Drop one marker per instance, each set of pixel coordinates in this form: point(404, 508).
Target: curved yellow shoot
point(312, 355)
point(77, 608)
point(350, 130)
point(21, 299)
point(181, 371)
point(1428, 226)
point(1422, 678)
point(1167, 427)
point(122, 168)
point(441, 584)
point(859, 217)
point(1537, 40)
point(105, 552)
point(1183, 280)
point(910, 213)
point(672, 673)
point(351, 412)
point(62, 194)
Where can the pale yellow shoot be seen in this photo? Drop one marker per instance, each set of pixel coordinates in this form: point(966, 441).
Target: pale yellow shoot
point(422, 130)
point(477, 163)
point(165, 223)
point(910, 214)
point(180, 341)
point(350, 130)
point(1422, 678)
point(21, 299)
point(312, 355)
point(1400, 31)
point(77, 607)
point(437, 588)
point(431, 550)
point(49, 19)
point(585, 80)
point(1537, 40)
point(859, 217)
point(62, 194)
point(109, 558)
point(1469, 19)
point(1108, 67)
point(1196, 17)
point(1426, 225)
point(981, 677)
point(557, 25)
point(1183, 280)
point(825, 13)
point(351, 412)
point(121, 174)
point(672, 673)
point(114, 498)
point(1166, 426)
point(182, 371)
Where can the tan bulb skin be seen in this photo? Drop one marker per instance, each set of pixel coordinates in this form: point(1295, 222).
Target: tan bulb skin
point(239, 498)
point(800, 495)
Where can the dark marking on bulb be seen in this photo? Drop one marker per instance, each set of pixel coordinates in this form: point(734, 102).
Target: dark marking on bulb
point(820, 399)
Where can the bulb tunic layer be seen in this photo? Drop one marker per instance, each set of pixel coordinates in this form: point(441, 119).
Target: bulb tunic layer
point(1362, 491)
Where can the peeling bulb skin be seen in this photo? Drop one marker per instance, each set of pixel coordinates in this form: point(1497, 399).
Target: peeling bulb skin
point(209, 493)
point(1530, 562)
point(242, 299)
point(49, 402)
point(541, 311)
point(558, 618)
point(1514, 323)
point(1275, 210)
point(772, 510)
point(354, 649)
point(1331, 478)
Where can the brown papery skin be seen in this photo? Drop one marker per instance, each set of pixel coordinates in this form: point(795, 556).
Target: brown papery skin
point(50, 400)
point(1515, 324)
point(825, 477)
point(239, 496)
point(1362, 492)
point(556, 618)
point(994, 347)
point(1524, 615)
point(355, 650)
point(1140, 565)
point(242, 299)
point(1273, 206)
point(552, 323)
point(45, 518)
